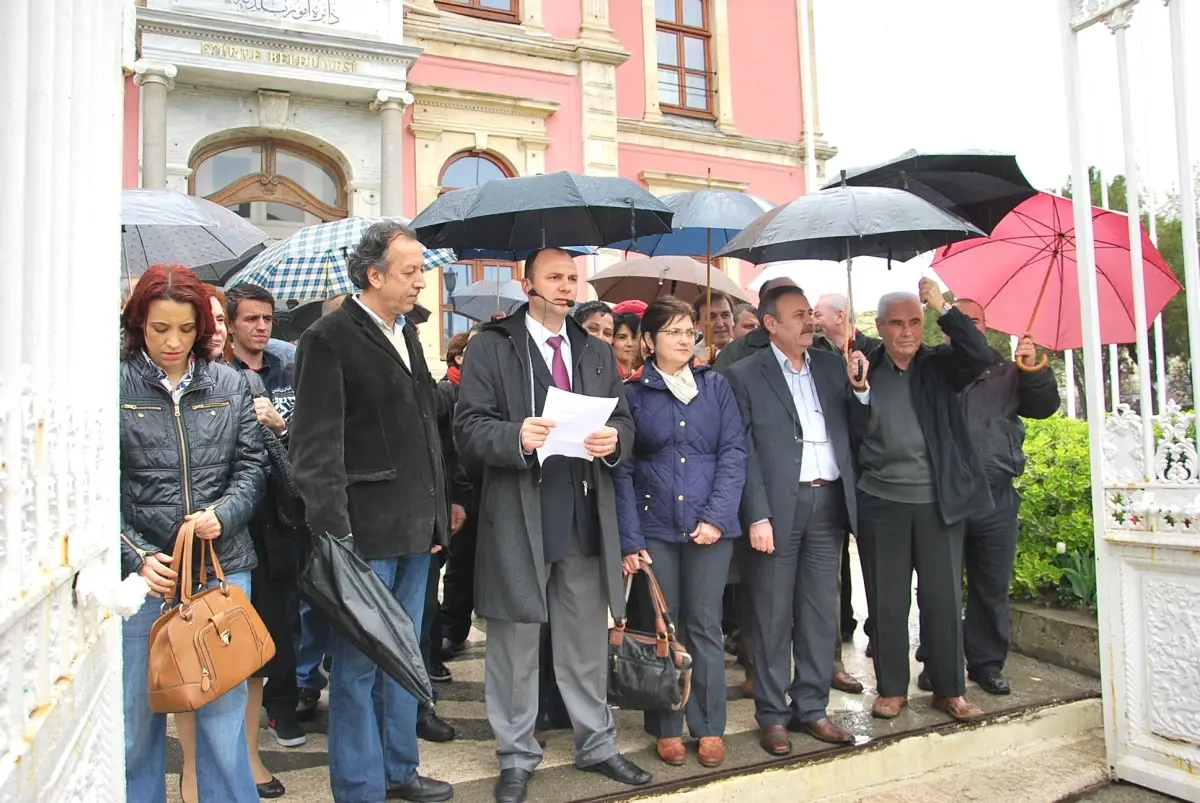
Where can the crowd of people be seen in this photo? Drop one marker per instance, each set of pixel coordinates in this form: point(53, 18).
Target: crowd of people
point(736, 463)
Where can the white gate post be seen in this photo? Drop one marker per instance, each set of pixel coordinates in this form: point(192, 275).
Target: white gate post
point(1118, 22)
point(60, 178)
point(1187, 187)
point(1089, 313)
point(1146, 503)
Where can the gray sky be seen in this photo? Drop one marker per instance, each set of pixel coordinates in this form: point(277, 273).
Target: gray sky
point(953, 74)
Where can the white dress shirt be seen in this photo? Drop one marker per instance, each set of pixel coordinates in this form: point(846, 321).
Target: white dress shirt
point(393, 333)
point(541, 335)
point(818, 460)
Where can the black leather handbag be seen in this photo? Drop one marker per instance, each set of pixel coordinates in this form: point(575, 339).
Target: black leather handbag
point(648, 671)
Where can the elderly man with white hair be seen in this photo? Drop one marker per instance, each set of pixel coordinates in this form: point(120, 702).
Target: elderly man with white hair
point(920, 480)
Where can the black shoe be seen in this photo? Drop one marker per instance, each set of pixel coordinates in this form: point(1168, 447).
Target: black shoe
point(923, 681)
point(731, 643)
point(420, 790)
point(306, 709)
point(438, 673)
point(848, 633)
point(432, 729)
point(620, 769)
point(450, 649)
point(871, 648)
point(513, 785)
point(271, 789)
point(991, 681)
point(288, 731)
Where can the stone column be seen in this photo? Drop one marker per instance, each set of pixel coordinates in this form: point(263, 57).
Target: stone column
point(600, 53)
point(156, 79)
point(391, 106)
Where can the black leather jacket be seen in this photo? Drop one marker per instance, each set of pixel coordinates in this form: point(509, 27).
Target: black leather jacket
point(206, 451)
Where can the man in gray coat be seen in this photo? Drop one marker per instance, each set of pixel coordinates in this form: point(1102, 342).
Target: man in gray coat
point(547, 541)
point(798, 502)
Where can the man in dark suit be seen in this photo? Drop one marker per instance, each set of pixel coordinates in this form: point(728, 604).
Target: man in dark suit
point(368, 462)
point(547, 541)
point(798, 501)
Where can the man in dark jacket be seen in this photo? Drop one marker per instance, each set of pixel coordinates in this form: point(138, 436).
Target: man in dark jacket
point(368, 462)
point(920, 479)
point(798, 502)
point(548, 533)
point(994, 405)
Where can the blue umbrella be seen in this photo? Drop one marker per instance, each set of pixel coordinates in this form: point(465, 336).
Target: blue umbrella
point(481, 300)
point(705, 220)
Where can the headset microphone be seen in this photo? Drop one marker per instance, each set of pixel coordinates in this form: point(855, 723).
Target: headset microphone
point(533, 292)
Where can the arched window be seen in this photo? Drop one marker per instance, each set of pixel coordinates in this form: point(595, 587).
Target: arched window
point(277, 185)
point(469, 169)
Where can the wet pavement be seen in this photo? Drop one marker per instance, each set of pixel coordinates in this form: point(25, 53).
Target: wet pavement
point(470, 764)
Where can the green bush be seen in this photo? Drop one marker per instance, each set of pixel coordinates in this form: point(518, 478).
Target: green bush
point(1056, 505)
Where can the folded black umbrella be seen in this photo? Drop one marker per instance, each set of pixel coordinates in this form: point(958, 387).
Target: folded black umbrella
point(559, 209)
point(346, 589)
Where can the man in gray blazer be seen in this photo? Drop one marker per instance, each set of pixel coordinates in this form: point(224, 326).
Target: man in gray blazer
point(798, 502)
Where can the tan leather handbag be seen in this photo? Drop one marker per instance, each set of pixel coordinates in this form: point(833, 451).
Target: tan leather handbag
point(208, 643)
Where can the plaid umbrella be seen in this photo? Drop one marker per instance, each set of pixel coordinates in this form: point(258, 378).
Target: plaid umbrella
point(312, 262)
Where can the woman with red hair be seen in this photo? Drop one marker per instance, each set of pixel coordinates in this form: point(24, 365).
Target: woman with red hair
point(190, 451)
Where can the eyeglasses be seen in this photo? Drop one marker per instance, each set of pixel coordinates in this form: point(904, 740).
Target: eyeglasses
point(690, 334)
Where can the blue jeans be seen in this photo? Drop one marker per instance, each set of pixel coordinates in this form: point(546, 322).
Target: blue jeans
point(222, 761)
point(367, 752)
point(314, 644)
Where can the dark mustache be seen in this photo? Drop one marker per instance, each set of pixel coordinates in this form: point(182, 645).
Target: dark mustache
point(810, 328)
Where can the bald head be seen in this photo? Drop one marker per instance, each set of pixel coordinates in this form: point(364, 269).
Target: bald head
point(973, 310)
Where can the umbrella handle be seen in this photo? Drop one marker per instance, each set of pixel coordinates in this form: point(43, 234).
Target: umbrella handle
point(1033, 367)
point(1023, 364)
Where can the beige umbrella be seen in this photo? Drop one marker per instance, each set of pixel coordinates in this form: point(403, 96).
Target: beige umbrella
point(648, 278)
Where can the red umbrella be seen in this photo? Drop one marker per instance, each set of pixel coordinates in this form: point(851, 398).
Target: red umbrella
point(1029, 264)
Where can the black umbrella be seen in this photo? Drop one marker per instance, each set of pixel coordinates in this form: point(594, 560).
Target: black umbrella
point(215, 249)
point(559, 209)
point(978, 186)
point(847, 222)
point(346, 589)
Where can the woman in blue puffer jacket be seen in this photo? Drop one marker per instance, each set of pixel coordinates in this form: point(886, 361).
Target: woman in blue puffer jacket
point(677, 507)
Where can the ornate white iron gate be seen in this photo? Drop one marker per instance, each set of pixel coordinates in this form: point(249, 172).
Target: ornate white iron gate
point(1145, 484)
point(60, 200)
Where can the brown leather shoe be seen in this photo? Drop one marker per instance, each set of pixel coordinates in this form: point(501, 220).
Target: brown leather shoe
point(888, 707)
point(826, 731)
point(748, 688)
point(712, 751)
point(844, 681)
point(774, 739)
point(958, 707)
point(671, 751)
point(540, 738)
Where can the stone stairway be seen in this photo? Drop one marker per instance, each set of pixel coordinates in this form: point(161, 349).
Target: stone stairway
point(1051, 709)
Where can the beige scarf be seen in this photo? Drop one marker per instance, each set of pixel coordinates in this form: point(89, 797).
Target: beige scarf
point(682, 384)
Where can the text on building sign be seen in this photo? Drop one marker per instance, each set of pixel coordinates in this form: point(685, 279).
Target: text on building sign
point(278, 58)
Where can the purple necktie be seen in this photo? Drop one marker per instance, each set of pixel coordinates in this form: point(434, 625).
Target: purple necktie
point(562, 380)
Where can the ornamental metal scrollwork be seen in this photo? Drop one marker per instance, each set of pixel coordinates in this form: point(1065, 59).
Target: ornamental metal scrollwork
point(1175, 455)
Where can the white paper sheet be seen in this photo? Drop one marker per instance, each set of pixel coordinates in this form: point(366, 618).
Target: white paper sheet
point(575, 417)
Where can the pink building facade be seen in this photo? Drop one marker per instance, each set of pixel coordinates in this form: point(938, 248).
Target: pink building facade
point(375, 107)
